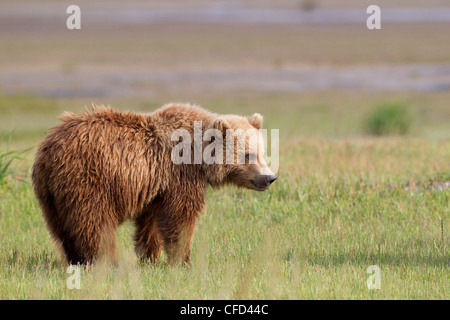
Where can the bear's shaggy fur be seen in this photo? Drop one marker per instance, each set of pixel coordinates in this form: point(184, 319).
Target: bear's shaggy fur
point(100, 168)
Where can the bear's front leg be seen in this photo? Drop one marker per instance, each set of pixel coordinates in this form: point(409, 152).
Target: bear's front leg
point(176, 223)
point(177, 243)
point(147, 237)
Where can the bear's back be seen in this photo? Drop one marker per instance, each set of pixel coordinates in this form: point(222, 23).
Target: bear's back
point(104, 154)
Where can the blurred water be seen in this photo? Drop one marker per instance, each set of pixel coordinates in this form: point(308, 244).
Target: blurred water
point(367, 78)
point(226, 14)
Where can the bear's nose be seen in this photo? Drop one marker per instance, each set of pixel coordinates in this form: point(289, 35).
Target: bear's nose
point(270, 179)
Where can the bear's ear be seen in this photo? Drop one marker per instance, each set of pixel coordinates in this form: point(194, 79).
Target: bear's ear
point(256, 120)
point(221, 124)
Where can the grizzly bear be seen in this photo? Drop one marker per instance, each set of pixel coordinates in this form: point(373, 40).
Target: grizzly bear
point(98, 169)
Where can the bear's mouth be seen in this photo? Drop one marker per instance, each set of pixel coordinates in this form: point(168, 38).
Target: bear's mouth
point(259, 187)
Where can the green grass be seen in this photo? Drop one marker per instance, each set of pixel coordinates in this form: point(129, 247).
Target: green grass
point(300, 240)
point(389, 119)
point(341, 204)
point(7, 156)
point(317, 114)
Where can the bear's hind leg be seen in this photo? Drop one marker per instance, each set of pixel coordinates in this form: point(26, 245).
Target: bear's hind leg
point(91, 242)
point(56, 225)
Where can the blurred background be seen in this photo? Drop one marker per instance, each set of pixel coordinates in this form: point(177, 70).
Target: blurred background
point(311, 67)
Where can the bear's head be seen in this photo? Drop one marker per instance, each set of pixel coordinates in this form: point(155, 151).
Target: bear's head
point(243, 151)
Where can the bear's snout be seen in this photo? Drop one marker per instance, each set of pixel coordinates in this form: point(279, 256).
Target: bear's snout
point(263, 182)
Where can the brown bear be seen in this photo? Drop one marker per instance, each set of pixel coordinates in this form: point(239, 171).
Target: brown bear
point(100, 168)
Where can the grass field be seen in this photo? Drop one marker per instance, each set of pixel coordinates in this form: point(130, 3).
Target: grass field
point(344, 199)
point(343, 202)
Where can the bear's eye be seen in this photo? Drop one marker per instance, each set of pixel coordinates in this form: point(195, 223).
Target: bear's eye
point(250, 156)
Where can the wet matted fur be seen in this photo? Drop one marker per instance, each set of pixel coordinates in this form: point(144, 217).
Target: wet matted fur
point(100, 168)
